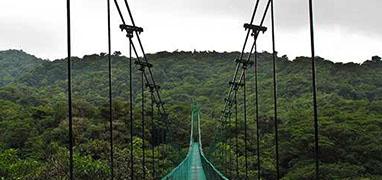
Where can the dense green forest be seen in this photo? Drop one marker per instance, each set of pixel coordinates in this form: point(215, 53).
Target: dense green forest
point(33, 116)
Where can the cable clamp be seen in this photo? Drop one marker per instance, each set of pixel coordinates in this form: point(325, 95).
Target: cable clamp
point(159, 103)
point(245, 63)
point(130, 30)
point(229, 101)
point(152, 87)
point(236, 85)
point(143, 65)
point(255, 28)
point(227, 113)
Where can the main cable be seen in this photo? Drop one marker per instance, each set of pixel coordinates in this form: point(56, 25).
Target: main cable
point(256, 35)
point(110, 94)
point(238, 66)
point(314, 89)
point(148, 78)
point(144, 54)
point(153, 128)
point(236, 137)
point(275, 92)
point(131, 110)
point(230, 143)
point(70, 108)
point(242, 51)
point(135, 51)
point(257, 114)
point(245, 122)
point(143, 122)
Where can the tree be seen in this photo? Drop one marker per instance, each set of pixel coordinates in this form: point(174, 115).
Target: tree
point(375, 58)
point(117, 53)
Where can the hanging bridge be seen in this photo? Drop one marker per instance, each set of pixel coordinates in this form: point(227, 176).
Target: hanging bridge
point(195, 166)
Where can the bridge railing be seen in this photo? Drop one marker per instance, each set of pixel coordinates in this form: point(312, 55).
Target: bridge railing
point(182, 171)
point(209, 169)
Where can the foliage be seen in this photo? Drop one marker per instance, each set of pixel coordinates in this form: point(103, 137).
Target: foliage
point(34, 126)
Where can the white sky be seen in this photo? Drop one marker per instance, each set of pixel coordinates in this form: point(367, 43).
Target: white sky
point(346, 30)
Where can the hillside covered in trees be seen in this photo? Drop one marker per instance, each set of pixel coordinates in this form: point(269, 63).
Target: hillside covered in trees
point(33, 116)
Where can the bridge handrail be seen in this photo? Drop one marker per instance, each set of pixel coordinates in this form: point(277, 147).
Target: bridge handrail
point(210, 170)
point(218, 174)
point(185, 160)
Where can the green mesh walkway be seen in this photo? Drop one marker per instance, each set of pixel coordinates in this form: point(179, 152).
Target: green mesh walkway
point(195, 166)
point(197, 171)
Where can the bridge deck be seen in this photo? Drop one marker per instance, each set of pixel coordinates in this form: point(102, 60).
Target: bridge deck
point(195, 166)
point(197, 171)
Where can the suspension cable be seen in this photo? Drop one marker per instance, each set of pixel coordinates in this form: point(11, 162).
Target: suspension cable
point(249, 31)
point(131, 110)
point(162, 138)
point(238, 81)
point(144, 54)
point(146, 77)
point(226, 153)
point(70, 108)
point(245, 121)
point(236, 137)
point(314, 89)
point(166, 135)
point(257, 114)
point(143, 121)
point(226, 106)
point(275, 92)
point(222, 139)
point(230, 143)
point(110, 94)
point(153, 128)
point(256, 35)
point(159, 136)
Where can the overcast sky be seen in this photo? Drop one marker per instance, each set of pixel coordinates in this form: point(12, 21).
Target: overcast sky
point(346, 30)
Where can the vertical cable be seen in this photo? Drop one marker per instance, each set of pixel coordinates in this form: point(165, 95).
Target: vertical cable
point(236, 137)
point(162, 139)
point(158, 138)
point(230, 143)
point(245, 121)
point(314, 89)
point(131, 110)
point(257, 115)
point(166, 136)
point(110, 94)
point(143, 52)
point(223, 140)
point(242, 52)
point(226, 156)
point(143, 121)
point(152, 134)
point(70, 109)
point(275, 92)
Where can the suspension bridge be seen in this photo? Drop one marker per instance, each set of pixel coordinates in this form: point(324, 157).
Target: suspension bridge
point(195, 165)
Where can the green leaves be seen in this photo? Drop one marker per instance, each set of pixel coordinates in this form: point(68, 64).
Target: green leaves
point(33, 115)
